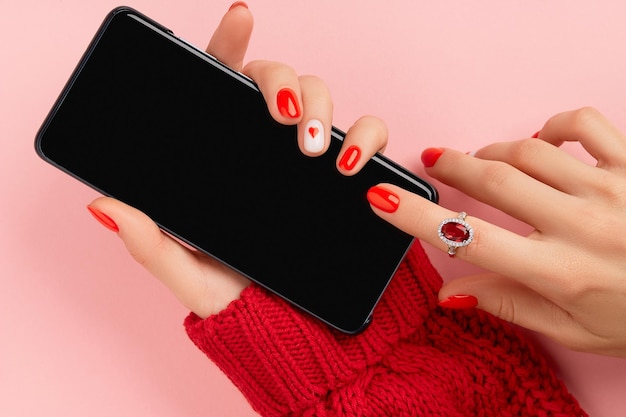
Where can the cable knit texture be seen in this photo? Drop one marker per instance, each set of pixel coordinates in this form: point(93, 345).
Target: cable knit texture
point(415, 359)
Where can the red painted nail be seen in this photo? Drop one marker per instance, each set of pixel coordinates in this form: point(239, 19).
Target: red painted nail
point(350, 158)
point(383, 199)
point(287, 103)
point(430, 156)
point(237, 4)
point(104, 220)
point(459, 302)
point(536, 135)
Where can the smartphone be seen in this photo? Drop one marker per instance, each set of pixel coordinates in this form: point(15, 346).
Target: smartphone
point(155, 122)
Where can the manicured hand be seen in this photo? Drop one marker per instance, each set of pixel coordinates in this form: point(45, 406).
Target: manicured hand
point(203, 285)
point(567, 278)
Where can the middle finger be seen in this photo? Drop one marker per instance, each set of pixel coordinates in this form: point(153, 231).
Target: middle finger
point(502, 186)
point(548, 164)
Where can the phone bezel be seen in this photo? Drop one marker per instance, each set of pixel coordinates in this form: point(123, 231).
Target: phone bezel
point(337, 135)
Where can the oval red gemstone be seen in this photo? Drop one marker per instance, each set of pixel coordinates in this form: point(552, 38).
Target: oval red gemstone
point(455, 232)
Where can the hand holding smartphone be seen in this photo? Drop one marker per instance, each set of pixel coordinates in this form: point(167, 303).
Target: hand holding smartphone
point(151, 120)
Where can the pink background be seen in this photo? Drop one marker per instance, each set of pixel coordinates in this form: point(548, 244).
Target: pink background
point(85, 331)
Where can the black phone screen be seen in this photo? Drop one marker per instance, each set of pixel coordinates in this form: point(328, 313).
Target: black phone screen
point(154, 122)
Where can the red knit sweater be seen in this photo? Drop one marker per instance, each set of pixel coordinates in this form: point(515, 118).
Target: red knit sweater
point(415, 359)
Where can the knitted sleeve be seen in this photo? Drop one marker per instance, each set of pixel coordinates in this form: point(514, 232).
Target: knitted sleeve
point(414, 358)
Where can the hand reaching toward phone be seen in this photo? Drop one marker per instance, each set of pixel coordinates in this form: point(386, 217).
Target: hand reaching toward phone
point(204, 285)
point(566, 279)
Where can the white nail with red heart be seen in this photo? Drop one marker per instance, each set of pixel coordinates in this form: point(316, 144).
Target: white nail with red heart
point(314, 136)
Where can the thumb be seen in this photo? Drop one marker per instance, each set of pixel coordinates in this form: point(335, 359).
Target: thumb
point(511, 301)
point(202, 284)
point(229, 42)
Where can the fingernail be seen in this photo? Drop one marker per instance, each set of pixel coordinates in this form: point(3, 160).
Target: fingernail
point(430, 156)
point(104, 220)
point(288, 103)
point(383, 199)
point(237, 4)
point(536, 135)
point(350, 158)
point(459, 302)
point(314, 136)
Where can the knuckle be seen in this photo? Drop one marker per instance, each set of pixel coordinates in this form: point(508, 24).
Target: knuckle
point(374, 122)
point(505, 309)
point(473, 252)
point(574, 291)
point(145, 255)
point(610, 189)
point(373, 129)
point(315, 91)
point(494, 177)
point(617, 195)
point(582, 118)
point(577, 286)
point(263, 70)
point(586, 113)
point(416, 220)
point(577, 120)
point(313, 80)
point(605, 185)
point(523, 151)
point(601, 223)
point(273, 67)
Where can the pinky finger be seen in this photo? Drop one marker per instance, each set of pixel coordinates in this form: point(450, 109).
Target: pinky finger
point(363, 140)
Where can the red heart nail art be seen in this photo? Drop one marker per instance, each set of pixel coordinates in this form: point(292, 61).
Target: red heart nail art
point(313, 131)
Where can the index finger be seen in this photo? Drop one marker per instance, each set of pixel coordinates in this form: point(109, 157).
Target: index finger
point(493, 248)
point(202, 284)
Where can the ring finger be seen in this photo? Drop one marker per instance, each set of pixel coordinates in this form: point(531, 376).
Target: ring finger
point(317, 108)
point(367, 136)
point(548, 164)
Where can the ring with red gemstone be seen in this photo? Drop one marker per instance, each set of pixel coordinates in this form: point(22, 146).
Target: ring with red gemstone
point(455, 232)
